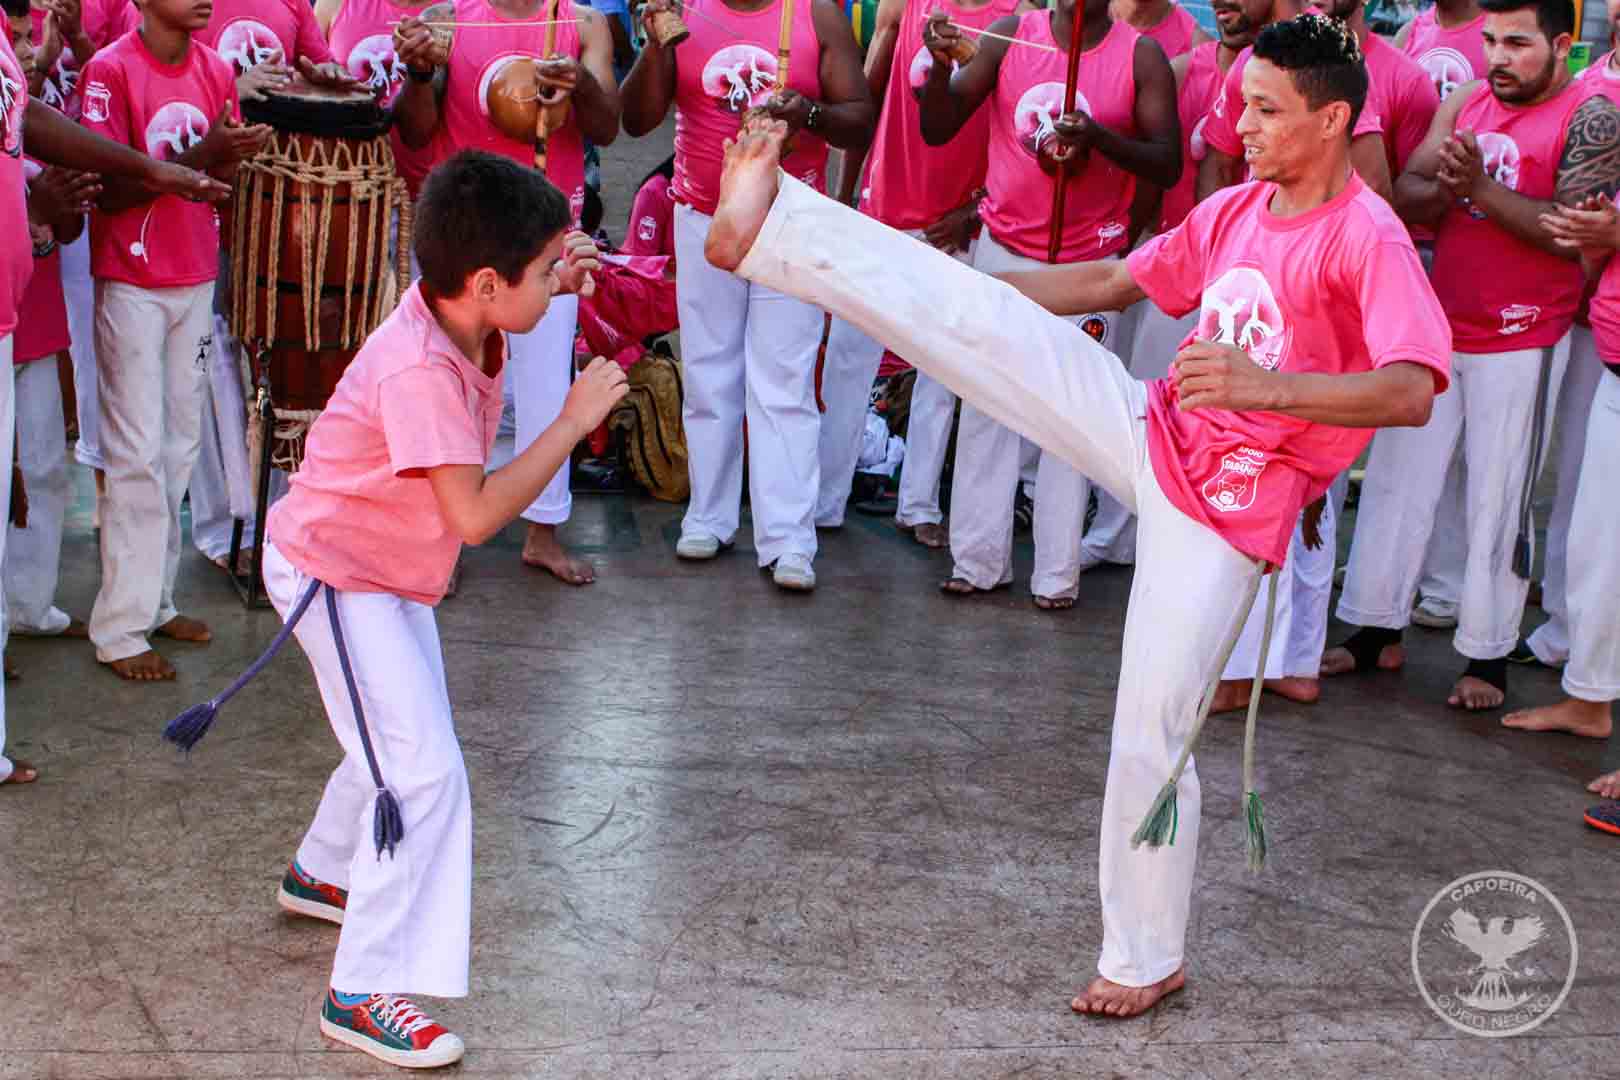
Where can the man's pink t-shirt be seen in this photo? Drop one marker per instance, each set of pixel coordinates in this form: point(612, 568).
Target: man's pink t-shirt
point(361, 514)
point(909, 184)
point(248, 33)
point(362, 40)
point(1403, 95)
point(727, 67)
point(163, 110)
point(1220, 129)
point(1451, 58)
point(1174, 33)
point(1026, 103)
point(1199, 85)
point(1334, 291)
point(16, 247)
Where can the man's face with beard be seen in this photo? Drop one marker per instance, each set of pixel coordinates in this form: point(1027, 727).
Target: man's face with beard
point(1334, 9)
point(1521, 61)
point(1240, 20)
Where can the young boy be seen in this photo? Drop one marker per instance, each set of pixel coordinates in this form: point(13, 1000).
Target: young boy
point(392, 485)
point(154, 261)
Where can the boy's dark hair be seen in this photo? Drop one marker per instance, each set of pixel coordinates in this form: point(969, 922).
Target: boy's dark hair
point(15, 9)
point(479, 209)
point(1323, 59)
point(1554, 17)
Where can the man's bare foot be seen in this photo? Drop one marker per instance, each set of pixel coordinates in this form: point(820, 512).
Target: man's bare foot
point(543, 551)
point(1296, 688)
point(930, 534)
point(22, 772)
point(1607, 785)
point(1339, 660)
point(1572, 715)
point(11, 672)
point(1104, 998)
point(1475, 694)
point(185, 628)
point(76, 628)
point(1231, 695)
point(143, 667)
point(747, 188)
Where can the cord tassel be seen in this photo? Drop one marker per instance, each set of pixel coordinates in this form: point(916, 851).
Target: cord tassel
point(1253, 812)
point(388, 825)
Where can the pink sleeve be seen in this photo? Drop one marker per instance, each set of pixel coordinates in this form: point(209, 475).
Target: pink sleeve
point(1400, 315)
point(1220, 130)
point(1370, 122)
point(311, 42)
point(1170, 267)
point(1422, 102)
point(106, 101)
point(426, 422)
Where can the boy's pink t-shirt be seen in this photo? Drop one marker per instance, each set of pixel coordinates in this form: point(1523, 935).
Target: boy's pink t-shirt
point(362, 40)
point(1174, 33)
point(1199, 85)
point(361, 514)
point(1027, 101)
point(727, 67)
point(163, 110)
point(16, 248)
point(45, 331)
point(909, 184)
point(248, 33)
point(652, 219)
point(1451, 58)
point(481, 50)
point(634, 299)
point(1406, 99)
point(1220, 129)
point(1335, 291)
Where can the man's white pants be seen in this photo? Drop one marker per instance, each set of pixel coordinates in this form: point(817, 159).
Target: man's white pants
point(1491, 407)
point(851, 366)
point(408, 923)
point(538, 371)
point(1551, 640)
point(1059, 388)
point(747, 351)
point(1299, 625)
point(153, 346)
point(79, 290)
point(33, 556)
point(1593, 671)
point(7, 429)
point(986, 482)
point(1446, 560)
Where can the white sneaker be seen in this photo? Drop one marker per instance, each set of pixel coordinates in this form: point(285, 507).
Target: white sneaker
point(794, 572)
point(697, 546)
point(1435, 614)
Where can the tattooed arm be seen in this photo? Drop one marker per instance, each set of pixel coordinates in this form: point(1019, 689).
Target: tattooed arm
point(1590, 165)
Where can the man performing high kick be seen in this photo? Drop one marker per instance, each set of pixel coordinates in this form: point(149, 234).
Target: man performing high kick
point(1337, 332)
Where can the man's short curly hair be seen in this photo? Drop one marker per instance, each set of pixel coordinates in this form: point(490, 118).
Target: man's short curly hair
point(1322, 57)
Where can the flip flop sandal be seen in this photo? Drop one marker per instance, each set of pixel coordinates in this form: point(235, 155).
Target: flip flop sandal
point(950, 587)
point(1604, 816)
point(1053, 603)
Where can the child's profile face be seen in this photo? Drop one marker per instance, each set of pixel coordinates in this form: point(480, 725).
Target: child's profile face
point(518, 307)
point(21, 29)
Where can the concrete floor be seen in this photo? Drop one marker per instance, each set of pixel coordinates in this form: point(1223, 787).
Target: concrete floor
point(727, 832)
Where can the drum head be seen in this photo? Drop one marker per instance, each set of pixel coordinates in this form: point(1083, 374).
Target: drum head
point(317, 110)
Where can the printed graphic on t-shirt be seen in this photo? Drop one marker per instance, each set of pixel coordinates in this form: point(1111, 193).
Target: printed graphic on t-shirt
point(647, 227)
point(13, 102)
point(740, 77)
point(1501, 155)
point(1517, 318)
point(1234, 487)
point(1239, 309)
point(376, 65)
point(97, 102)
point(1196, 144)
point(1448, 68)
point(174, 129)
point(1035, 119)
point(61, 82)
point(247, 43)
point(921, 65)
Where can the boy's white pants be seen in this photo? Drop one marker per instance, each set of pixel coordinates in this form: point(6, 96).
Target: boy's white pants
point(1299, 626)
point(1551, 640)
point(408, 923)
point(1059, 388)
point(986, 481)
point(79, 290)
point(153, 346)
point(538, 373)
point(846, 389)
point(1491, 407)
point(1593, 671)
point(33, 556)
point(747, 351)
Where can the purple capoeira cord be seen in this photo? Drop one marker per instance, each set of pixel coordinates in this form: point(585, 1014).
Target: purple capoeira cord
point(187, 729)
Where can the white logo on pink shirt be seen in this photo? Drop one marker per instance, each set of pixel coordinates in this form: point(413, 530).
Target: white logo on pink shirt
point(97, 102)
point(13, 100)
point(1517, 318)
point(1239, 309)
point(1235, 486)
point(1035, 119)
point(1448, 68)
point(60, 83)
point(375, 64)
point(247, 43)
point(174, 129)
point(921, 65)
point(740, 77)
point(647, 228)
point(1501, 158)
point(1196, 144)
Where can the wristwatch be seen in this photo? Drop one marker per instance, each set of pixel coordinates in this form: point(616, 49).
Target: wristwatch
point(812, 122)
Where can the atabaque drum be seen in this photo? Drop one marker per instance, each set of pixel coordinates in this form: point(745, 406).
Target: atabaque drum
point(309, 238)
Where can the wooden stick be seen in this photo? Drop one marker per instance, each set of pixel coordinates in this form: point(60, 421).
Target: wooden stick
point(1003, 37)
point(1060, 187)
point(784, 47)
point(496, 25)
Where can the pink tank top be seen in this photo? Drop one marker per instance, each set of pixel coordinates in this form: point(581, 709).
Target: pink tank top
point(1450, 57)
point(1174, 33)
point(909, 184)
point(1606, 316)
point(362, 38)
point(248, 33)
point(725, 68)
point(1500, 292)
point(1193, 101)
point(477, 57)
point(1028, 99)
